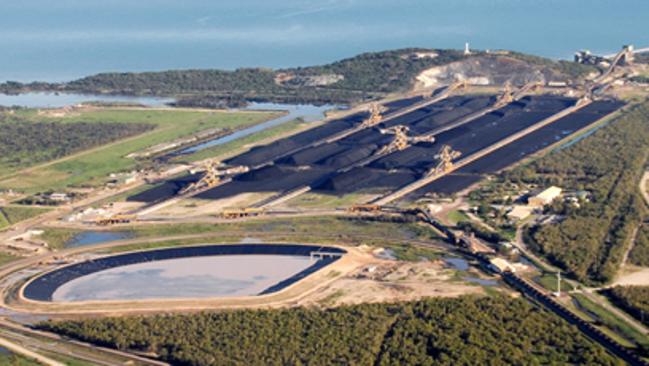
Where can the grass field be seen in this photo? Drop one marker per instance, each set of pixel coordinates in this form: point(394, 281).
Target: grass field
point(13, 359)
point(4, 221)
point(10, 215)
point(456, 216)
point(308, 229)
point(92, 166)
point(7, 258)
point(401, 250)
point(611, 320)
point(57, 237)
point(316, 200)
point(549, 282)
point(411, 253)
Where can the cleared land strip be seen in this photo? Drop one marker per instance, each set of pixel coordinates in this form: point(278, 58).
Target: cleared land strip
point(55, 344)
point(29, 354)
point(586, 328)
point(644, 188)
point(593, 296)
point(428, 179)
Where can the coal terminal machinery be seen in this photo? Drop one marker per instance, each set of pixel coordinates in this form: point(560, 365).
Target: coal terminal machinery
point(380, 157)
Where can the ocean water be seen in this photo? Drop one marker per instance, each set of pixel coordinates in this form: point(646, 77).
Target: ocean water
point(67, 39)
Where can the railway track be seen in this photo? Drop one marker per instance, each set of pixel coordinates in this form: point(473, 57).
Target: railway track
point(543, 299)
point(528, 289)
point(588, 329)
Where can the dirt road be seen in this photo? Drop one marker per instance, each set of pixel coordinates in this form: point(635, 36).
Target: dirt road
point(644, 189)
point(639, 277)
point(29, 354)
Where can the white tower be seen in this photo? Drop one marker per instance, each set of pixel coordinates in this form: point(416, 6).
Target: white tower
point(467, 50)
point(558, 293)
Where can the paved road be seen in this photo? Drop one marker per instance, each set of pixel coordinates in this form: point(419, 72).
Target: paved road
point(519, 243)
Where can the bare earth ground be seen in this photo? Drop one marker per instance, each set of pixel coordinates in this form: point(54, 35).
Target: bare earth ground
point(195, 206)
point(633, 275)
point(391, 281)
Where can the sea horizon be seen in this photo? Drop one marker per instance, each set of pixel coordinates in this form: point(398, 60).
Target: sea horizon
point(77, 38)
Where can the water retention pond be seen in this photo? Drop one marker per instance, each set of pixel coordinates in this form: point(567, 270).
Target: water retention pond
point(188, 272)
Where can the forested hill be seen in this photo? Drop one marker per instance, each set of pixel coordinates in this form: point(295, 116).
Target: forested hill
point(349, 80)
point(463, 331)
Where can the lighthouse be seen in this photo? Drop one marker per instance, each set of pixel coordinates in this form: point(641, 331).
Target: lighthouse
point(467, 51)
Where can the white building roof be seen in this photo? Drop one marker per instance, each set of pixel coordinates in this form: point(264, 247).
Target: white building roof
point(549, 194)
point(502, 265)
point(520, 212)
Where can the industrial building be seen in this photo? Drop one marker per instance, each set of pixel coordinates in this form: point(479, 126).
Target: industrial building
point(545, 197)
point(520, 212)
point(500, 265)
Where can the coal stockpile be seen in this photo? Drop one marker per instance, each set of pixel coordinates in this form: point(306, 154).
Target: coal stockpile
point(477, 134)
point(429, 117)
point(274, 178)
point(262, 154)
point(418, 157)
point(517, 150)
point(165, 190)
point(540, 139)
point(366, 136)
point(42, 288)
point(349, 156)
point(401, 103)
point(317, 166)
point(310, 156)
point(332, 167)
point(495, 126)
point(363, 179)
point(425, 119)
point(448, 184)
